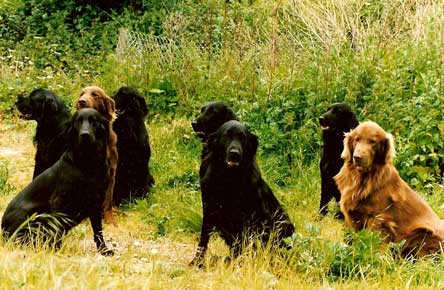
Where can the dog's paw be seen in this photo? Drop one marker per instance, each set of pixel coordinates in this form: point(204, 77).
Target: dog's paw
point(197, 262)
point(107, 252)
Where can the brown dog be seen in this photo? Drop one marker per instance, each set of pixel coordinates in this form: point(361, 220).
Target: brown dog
point(94, 97)
point(374, 197)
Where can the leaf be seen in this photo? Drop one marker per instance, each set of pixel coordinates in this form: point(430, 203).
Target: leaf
point(156, 91)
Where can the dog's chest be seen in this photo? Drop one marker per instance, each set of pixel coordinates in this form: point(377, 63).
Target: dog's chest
point(370, 212)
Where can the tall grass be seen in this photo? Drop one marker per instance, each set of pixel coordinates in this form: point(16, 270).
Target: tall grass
point(279, 64)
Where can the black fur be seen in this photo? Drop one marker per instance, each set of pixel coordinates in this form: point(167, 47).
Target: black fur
point(212, 116)
point(72, 189)
point(337, 120)
point(133, 177)
point(52, 117)
point(237, 202)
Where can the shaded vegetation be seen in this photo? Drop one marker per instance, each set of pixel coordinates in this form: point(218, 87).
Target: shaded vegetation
point(279, 64)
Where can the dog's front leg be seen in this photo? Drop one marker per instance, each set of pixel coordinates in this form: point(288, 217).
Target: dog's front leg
point(203, 243)
point(96, 224)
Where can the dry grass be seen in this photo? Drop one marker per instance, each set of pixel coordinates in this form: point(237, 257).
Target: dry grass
point(153, 245)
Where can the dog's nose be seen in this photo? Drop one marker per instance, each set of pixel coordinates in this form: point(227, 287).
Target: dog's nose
point(81, 103)
point(234, 155)
point(357, 159)
point(322, 121)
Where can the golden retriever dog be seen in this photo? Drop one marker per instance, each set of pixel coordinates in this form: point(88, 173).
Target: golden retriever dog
point(374, 197)
point(94, 97)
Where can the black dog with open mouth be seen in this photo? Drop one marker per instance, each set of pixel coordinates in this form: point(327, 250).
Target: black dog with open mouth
point(237, 202)
point(337, 120)
point(52, 117)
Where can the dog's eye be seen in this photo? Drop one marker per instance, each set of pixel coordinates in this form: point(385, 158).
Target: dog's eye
point(94, 94)
point(372, 141)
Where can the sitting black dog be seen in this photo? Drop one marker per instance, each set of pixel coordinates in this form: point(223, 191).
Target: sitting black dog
point(237, 202)
point(338, 120)
point(72, 189)
point(133, 177)
point(52, 116)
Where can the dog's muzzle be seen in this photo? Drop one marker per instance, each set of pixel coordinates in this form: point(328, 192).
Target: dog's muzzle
point(234, 157)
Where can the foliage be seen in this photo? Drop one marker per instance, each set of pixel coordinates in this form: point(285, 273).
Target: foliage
point(5, 186)
point(362, 258)
point(279, 64)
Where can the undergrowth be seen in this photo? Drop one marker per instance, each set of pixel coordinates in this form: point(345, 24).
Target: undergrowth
point(279, 64)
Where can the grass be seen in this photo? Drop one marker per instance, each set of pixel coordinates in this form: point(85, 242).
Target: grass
point(155, 238)
point(280, 64)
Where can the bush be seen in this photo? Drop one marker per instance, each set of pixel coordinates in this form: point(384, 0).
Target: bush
point(280, 65)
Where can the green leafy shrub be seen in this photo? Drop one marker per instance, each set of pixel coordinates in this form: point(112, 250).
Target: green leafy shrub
point(363, 258)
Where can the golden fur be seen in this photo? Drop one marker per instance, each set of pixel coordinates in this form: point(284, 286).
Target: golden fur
point(94, 97)
point(374, 197)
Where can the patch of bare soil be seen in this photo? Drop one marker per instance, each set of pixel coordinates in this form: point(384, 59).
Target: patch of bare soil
point(17, 150)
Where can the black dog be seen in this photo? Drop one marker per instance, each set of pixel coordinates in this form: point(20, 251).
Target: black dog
point(133, 177)
point(212, 116)
point(338, 120)
point(52, 117)
point(237, 202)
point(73, 188)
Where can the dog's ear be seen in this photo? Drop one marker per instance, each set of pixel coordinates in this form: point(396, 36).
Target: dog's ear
point(110, 108)
point(212, 140)
point(142, 105)
point(50, 104)
point(386, 150)
point(71, 133)
point(252, 144)
point(230, 115)
point(353, 122)
point(107, 128)
point(347, 153)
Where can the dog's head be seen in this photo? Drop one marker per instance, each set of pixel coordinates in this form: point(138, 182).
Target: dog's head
point(338, 118)
point(130, 102)
point(94, 97)
point(211, 117)
point(368, 146)
point(39, 104)
point(88, 133)
point(234, 144)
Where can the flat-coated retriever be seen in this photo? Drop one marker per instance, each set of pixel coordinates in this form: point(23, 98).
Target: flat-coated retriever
point(52, 117)
point(94, 97)
point(237, 202)
point(335, 122)
point(71, 190)
point(133, 177)
point(212, 116)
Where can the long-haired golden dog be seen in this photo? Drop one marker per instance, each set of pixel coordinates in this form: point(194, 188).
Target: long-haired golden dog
point(374, 197)
point(94, 97)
